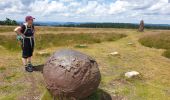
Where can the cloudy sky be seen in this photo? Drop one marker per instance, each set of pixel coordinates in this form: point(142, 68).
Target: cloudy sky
point(127, 11)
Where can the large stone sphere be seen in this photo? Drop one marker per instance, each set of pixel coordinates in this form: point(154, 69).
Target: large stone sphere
point(71, 74)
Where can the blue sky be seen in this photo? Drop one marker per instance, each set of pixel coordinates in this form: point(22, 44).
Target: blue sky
point(125, 11)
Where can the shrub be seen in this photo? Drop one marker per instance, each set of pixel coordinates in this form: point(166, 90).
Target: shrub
point(160, 41)
point(167, 53)
point(49, 40)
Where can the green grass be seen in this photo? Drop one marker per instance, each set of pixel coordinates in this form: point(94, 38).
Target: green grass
point(167, 53)
point(10, 91)
point(42, 55)
point(9, 42)
point(6, 29)
point(81, 46)
point(47, 96)
point(153, 85)
point(9, 97)
point(2, 69)
point(160, 41)
point(44, 41)
point(95, 96)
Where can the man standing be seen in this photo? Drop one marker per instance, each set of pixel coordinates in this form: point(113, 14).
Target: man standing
point(25, 34)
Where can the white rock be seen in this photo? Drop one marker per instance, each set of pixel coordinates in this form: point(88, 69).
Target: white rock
point(131, 74)
point(114, 53)
point(83, 45)
point(130, 43)
point(42, 52)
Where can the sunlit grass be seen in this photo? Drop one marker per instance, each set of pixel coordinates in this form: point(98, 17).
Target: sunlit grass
point(97, 95)
point(44, 41)
point(160, 41)
point(11, 92)
point(167, 53)
point(6, 29)
point(154, 85)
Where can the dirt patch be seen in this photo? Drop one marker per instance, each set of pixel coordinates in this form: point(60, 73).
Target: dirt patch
point(31, 93)
point(118, 82)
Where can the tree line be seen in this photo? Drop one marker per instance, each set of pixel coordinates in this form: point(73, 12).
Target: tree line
point(116, 25)
point(102, 25)
point(8, 21)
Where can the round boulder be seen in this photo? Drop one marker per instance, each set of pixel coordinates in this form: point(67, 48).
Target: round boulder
point(71, 74)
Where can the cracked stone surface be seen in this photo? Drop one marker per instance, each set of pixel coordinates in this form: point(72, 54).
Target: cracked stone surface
point(71, 74)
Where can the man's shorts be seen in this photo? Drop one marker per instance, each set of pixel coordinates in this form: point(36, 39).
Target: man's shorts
point(27, 47)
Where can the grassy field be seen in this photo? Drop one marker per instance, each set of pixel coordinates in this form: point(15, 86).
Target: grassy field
point(159, 40)
point(154, 83)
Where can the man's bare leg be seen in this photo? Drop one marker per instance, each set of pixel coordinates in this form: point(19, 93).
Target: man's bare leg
point(24, 61)
point(29, 60)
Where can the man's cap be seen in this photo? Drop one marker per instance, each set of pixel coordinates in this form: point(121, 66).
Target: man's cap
point(29, 18)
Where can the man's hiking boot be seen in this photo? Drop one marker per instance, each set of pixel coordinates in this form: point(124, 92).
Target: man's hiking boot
point(29, 68)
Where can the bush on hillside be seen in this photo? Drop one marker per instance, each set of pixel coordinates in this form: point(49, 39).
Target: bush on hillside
point(54, 40)
point(8, 21)
point(160, 41)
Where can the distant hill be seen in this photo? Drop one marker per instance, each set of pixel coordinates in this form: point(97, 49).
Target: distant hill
point(89, 24)
point(102, 25)
point(52, 23)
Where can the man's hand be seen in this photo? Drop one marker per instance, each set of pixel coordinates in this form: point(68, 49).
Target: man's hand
point(18, 30)
point(23, 36)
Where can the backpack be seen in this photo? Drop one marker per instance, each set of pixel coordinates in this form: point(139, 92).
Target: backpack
point(19, 37)
point(26, 28)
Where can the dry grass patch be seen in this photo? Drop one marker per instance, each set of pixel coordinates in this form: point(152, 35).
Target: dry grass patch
point(54, 40)
point(159, 40)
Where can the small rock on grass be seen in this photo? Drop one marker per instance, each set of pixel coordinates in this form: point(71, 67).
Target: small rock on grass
point(130, 43)
point(114, 53)
point(81, 46)
point(42, 52)
point(132, 74)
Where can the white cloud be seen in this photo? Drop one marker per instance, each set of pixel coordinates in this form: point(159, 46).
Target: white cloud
point(118, 7)
point(45, 8)
point(86, 10)
point(161, 7)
